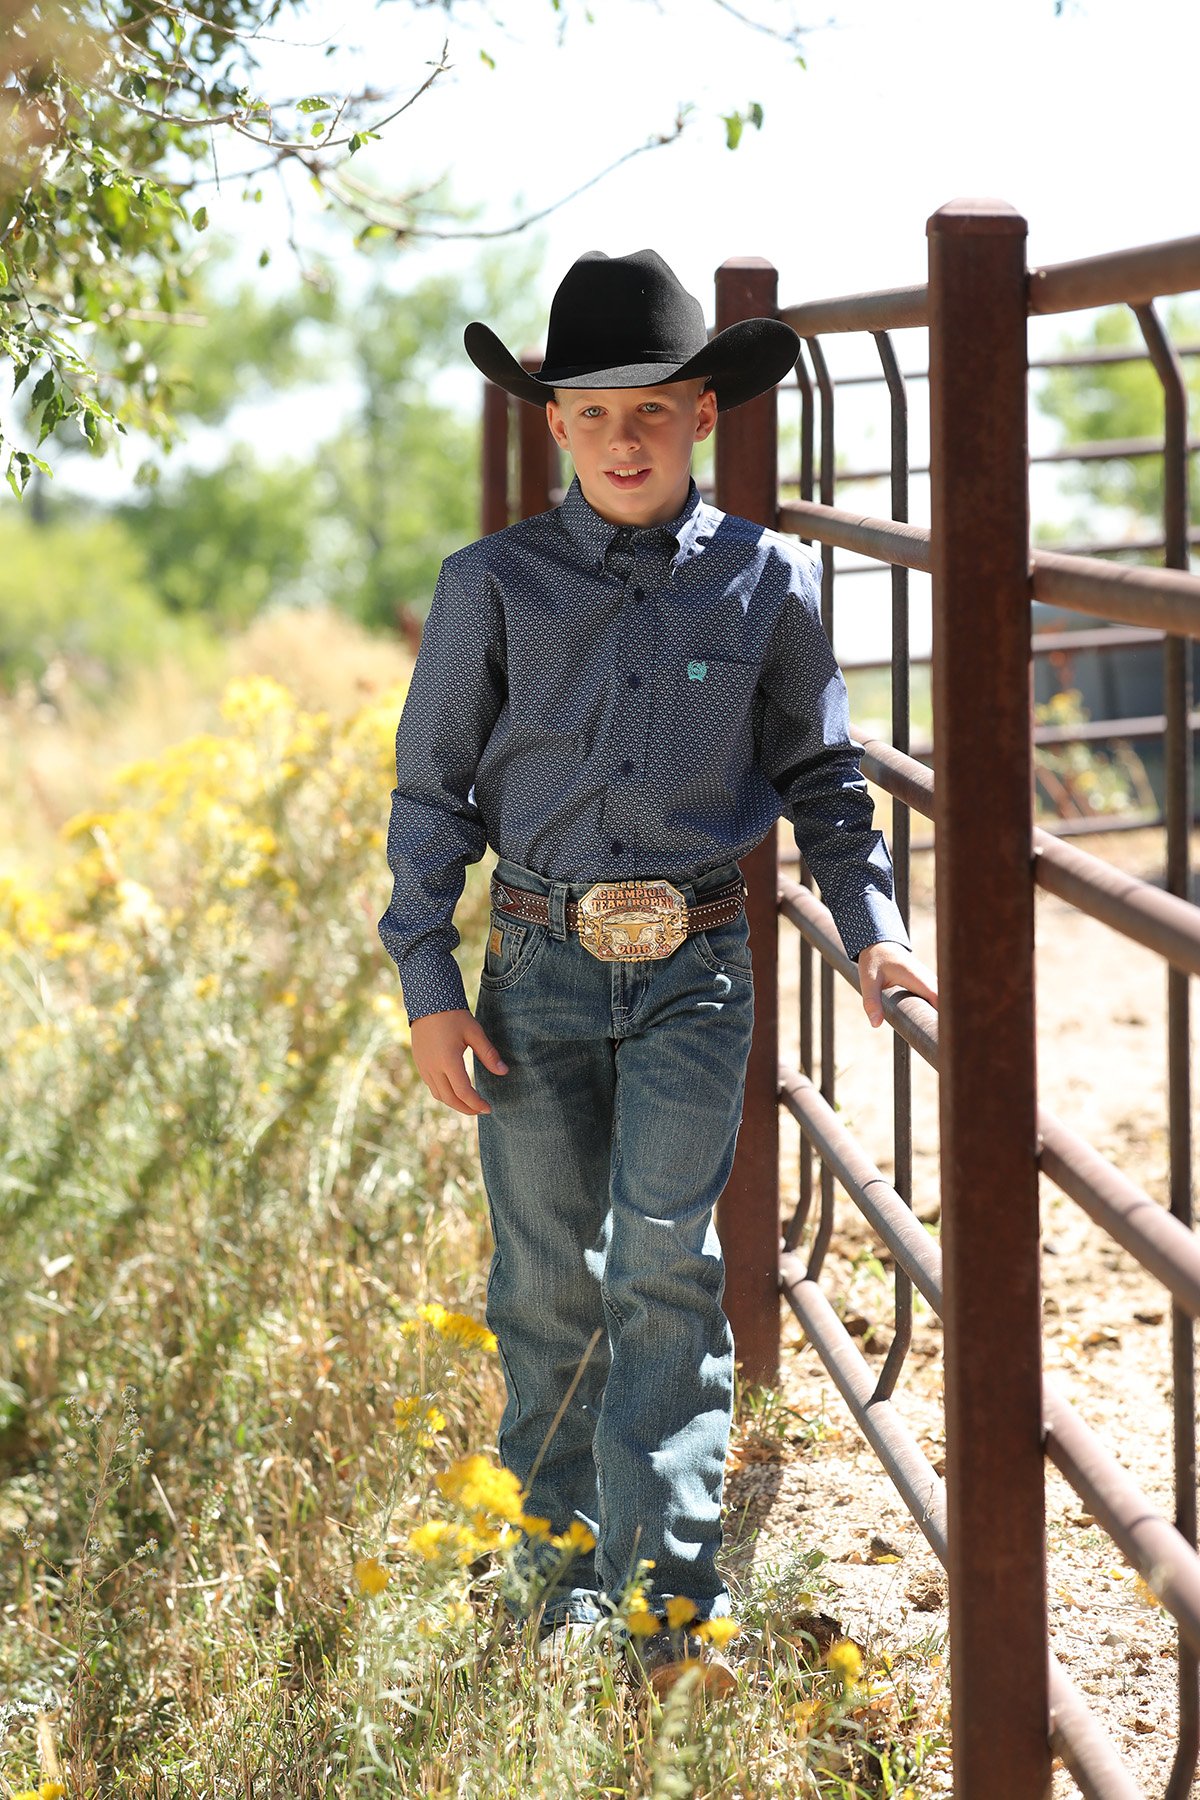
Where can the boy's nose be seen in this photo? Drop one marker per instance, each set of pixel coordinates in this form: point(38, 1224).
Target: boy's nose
point(625, 434)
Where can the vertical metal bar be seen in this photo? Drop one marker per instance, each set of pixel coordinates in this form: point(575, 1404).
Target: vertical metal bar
point(995, 1477)
point(1177, 683)
point(825, 385)
point(495, 458)
point(901, 850)
point(535, 463)
point(799, 1219)
point(747, 485)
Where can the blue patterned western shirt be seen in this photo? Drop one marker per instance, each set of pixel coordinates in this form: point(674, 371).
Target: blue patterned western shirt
point(598, 702)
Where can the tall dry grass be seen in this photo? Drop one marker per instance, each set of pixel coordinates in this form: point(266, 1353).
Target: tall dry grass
point(254, 1540)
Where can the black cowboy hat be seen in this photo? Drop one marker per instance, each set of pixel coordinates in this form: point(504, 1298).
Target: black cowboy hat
point(626, 321)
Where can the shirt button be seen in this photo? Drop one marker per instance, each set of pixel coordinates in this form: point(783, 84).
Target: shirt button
point(616, 847)
point(627, 767)
point(635, 679)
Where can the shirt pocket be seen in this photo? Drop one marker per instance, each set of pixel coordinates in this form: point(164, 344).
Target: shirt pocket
point(706, 717)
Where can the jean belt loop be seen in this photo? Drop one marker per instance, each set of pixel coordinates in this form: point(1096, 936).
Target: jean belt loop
point(558, 909)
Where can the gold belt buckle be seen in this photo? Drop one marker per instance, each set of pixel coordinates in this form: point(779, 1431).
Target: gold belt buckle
point(632, 921)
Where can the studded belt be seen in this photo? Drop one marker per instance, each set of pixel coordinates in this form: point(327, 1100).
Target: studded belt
point(628, 921)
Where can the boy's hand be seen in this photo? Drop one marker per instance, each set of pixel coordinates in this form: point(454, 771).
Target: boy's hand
point(438, 1043)
point(888, 964)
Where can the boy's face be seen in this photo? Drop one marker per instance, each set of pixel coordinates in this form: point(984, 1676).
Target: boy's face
point(632, 447)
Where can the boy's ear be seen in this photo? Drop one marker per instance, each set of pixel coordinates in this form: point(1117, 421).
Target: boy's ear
point(558, 429)
point(706, 414)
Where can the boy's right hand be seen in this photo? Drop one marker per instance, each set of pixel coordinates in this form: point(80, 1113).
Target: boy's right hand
point(439, 1041)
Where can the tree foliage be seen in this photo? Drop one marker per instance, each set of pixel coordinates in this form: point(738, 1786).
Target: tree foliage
point(1119, 400)
point(112, 112)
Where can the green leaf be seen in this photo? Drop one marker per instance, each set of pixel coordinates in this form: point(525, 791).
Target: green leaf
point(313, 104)
point(733, 130)
point(264, 257)
point(756, 115)
point(200, 218)
point(485, 58)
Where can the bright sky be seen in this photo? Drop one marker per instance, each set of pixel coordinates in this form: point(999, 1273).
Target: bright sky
point(1084, 122)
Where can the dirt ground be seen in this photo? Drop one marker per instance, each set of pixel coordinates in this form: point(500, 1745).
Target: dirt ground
point(1102, 1069)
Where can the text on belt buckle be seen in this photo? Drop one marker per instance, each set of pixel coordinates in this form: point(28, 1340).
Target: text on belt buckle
point(632, 921)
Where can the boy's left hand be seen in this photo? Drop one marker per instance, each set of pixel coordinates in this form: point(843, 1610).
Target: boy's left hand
point(888, 964)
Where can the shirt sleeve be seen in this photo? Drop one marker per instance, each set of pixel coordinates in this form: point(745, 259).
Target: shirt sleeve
point(458, 686)
point(808, 756)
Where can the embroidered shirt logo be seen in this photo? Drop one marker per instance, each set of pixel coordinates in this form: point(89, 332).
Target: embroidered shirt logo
point(697, 671)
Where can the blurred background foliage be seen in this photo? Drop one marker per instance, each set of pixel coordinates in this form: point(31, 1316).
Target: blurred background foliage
point(355, 514)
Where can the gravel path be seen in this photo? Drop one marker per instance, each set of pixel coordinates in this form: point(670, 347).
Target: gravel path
point(1102, 1069)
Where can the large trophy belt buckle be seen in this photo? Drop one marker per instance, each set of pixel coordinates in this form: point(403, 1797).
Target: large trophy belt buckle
point(632, 921)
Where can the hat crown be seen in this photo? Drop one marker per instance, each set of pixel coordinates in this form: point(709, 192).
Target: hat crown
point(613, 310)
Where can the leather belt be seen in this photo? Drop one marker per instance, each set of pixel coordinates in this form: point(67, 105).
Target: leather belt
point(627, 921)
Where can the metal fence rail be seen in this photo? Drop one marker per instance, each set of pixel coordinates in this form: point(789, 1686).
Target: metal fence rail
point(1012, 1704)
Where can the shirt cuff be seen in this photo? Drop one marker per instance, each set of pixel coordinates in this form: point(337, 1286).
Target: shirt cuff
point(868, 918)
point(432, 982)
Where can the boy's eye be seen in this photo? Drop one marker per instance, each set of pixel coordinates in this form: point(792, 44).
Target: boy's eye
point(652, 406)
point(588, 410)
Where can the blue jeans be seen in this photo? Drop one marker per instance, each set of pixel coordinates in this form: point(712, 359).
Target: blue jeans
point(609, 1141)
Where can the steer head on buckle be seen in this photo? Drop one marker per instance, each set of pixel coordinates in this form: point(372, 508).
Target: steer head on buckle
point(632, 921)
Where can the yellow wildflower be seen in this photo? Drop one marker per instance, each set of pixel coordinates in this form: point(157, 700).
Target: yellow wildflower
point(538, 1528)
point(718, 1632)
point(251, 699)
point(441, 1537)
point(410, 1411)
point(803, 1714)
point(457, 1328)
point(844, 1660)
point(206, 985)
point(679, 1610)
point(640, 1620)
point(371, 1575)
point(51, 1790)
point(428, 1628)
point(1145, 1592)
point(475, 1483)
point(577, 1536)
point(78, 823)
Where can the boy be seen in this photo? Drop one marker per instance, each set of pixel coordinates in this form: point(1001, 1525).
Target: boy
point(620, 696)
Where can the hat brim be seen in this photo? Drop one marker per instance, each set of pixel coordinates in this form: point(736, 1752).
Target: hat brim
point(740, 362)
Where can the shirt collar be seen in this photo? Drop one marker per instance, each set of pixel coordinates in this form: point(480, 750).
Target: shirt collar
point(591, 534)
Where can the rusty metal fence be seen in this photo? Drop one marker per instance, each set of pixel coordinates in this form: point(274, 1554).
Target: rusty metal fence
point(1013, 1706)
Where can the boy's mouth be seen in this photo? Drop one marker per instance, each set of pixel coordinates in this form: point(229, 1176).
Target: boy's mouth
point(627, 477)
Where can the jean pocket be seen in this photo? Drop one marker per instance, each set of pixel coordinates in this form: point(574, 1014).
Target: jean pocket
point(725, 949)
point(511, 947)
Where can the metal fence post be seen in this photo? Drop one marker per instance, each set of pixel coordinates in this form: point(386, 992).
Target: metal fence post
point(985, 909)
point(748, 1210)
point(494, 458)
